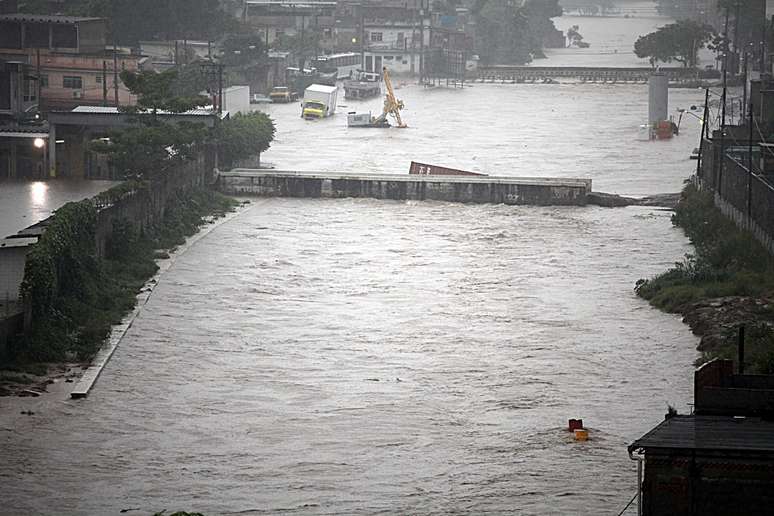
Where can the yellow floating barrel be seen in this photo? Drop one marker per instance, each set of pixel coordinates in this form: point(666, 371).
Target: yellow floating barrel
point(581, 434)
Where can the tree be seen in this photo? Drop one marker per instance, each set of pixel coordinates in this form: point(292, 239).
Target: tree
point(509, 33)
point(244, 50)
point(678, 41)
point(244, 136)
point(151, 145)
point(303, 45)
point(132, 21)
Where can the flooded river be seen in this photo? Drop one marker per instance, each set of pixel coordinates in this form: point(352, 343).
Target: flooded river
point(363, 356)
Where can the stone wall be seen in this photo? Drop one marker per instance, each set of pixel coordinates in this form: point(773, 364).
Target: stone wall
point(145, 207)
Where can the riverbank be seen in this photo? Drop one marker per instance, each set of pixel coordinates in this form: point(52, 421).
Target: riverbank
point(96, 292)
point(726, 283)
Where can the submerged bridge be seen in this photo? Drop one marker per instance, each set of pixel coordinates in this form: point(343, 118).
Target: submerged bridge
point(515, 74)
point(472, 189)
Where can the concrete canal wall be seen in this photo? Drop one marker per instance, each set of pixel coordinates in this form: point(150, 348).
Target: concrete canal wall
point(471, 189)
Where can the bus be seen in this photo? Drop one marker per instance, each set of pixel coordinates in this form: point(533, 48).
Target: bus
point(345, 65)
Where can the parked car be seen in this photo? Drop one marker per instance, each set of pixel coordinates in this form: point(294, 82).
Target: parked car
point(283, 94)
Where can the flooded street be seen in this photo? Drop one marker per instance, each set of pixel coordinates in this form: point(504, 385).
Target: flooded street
point(532, 130)
point(358, 356)
point(23, 203)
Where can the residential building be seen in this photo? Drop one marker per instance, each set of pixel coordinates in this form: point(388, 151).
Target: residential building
point(70, 57)
point(395, 35)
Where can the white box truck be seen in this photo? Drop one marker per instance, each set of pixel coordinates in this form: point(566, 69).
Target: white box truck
point(319, 101)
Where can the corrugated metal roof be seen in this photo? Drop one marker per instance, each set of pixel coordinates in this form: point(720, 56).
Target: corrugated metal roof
point(41, 18)
point(15, 130)
point(8, 243)
point(746, 434)
point(108, 110)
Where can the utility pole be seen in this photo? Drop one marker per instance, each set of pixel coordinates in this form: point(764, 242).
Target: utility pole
point(104, 83)
point(362, 36)
point(220, 88)
point(722, 163)
point(422, 43)
point(736, 38)
point(744, 84)
point(749, 163)
point(115, 71)
point(702, 133)
point(40, 87)
point(113, 28)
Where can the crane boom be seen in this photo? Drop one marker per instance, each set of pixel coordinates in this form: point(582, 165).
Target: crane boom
point(392, 106)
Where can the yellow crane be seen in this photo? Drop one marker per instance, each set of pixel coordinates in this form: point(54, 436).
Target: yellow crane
point(392, 106)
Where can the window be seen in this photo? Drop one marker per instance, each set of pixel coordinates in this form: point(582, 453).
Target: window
point(44, 81)
point(30, 91)
point(99, 79)
point(388, 58)
point(72, 82)
point(376, 36)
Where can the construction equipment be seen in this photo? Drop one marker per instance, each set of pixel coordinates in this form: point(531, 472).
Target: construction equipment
point(392, 107)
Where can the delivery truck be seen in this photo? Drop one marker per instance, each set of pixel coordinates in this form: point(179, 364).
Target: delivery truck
point(319, 101)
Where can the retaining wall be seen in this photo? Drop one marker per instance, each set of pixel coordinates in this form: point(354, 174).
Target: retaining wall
point(485, 189)
point(145, 207)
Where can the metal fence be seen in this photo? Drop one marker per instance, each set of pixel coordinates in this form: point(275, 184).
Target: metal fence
point(745, 197)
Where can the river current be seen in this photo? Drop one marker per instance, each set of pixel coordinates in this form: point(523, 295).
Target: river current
point(363, 356)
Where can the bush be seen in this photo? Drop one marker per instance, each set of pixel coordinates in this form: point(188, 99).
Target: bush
point(727, 262)
point(244, 136)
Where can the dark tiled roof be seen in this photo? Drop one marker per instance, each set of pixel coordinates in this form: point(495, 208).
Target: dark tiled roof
point(42, 18)
point(750, 434)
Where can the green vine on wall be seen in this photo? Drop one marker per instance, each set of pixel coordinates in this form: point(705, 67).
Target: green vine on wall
point(75, 296)
point(64, 254)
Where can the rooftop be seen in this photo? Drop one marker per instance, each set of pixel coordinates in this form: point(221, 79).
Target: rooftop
point(41, 18)
point(112, 110)
point(728, 433)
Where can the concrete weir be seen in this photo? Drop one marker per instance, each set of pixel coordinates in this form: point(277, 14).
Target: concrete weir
point(471, 189)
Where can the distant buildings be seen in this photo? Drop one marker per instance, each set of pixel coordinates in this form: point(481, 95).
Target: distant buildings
point(403, 35)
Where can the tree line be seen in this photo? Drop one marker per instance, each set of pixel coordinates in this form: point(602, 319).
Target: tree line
point(131, 21)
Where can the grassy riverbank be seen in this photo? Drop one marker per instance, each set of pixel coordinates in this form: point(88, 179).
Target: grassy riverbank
point(77, 296)
point(728, 281)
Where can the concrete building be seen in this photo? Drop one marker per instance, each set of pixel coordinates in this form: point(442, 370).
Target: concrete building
point(163, 55)
point(275, 18)
point(74, 129)
point(70, 57)
point(395, 36)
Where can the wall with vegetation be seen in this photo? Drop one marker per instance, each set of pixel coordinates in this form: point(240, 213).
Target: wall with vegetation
point(85, 271)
